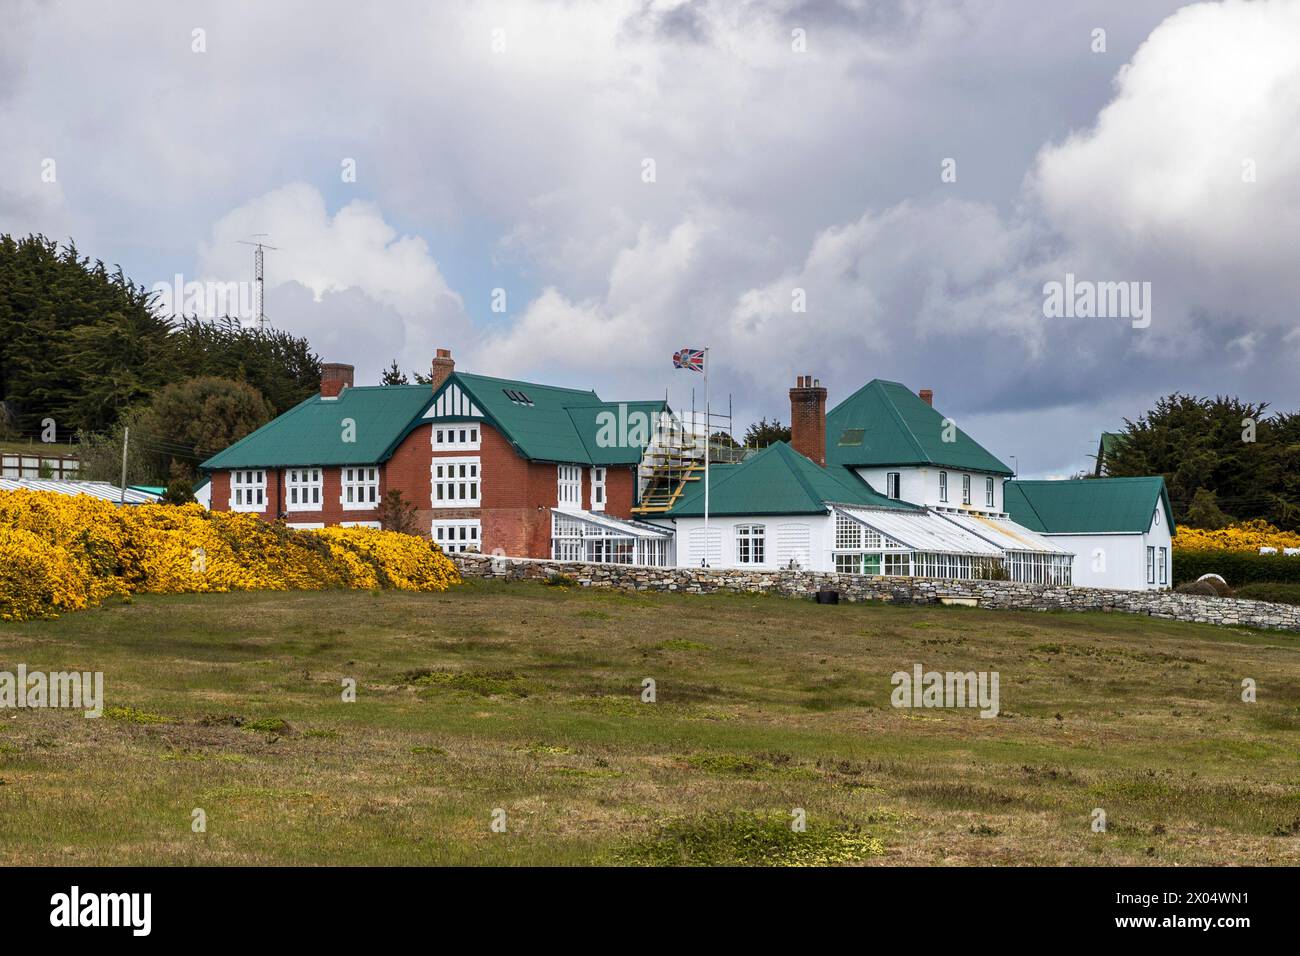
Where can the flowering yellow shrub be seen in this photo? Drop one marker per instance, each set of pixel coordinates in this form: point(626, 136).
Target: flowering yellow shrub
point(1243, 536)
point(61, 552)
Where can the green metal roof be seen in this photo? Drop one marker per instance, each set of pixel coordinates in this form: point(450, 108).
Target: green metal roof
point(313, 431)
point(885, 423)
point(615, 433)
point(543, 422)
point(1087, 506)
point(553, 424)
point(779, 481)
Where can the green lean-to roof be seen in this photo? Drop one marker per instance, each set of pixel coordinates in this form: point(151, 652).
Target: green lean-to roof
point(313, 432)
point(1087, 506)
point(779, 481)
point(885, 423)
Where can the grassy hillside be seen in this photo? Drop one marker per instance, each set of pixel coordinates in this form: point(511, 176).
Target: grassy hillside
point(526, 698)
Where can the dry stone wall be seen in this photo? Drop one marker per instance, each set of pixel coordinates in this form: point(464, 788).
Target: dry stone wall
point(1004, 595)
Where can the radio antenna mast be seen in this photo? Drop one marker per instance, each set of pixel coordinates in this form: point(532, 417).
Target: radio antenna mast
point(259, 275)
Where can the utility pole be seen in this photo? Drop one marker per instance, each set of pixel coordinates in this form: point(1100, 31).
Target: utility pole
point(126, 437)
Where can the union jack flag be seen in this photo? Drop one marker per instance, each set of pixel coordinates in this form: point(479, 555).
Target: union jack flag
point(692, 359)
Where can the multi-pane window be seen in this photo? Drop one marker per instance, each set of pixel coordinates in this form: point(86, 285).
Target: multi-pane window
point(455, 436)
point(570, 488)
point(848, 533)
point(943, 487)
point(598, 489)
point(750, 539)
point(988, 492)
point(1151, 565)
point(893, 481)
point(360, 486)
point(302, 489)
point(1164, 565)
point(455, 483)
point(247, 490)
point(457, 536)
point(965, 489)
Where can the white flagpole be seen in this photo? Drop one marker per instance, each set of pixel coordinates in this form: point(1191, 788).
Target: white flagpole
point(707, 420)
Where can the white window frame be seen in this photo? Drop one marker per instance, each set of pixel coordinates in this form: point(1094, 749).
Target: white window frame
point(599, 477)
point(248, 489)
point(305, 525)
point(568, 491)
point(989, 494)
point(459, 486)
point(303, 489)
point(457, 535)
point(894, 485)
point(456, 436)
point(943, 487)
point(360, 524)
point(965, 489)
point(751, 543)
point(1164, 565)
point(1151, 564)
point(363, 482)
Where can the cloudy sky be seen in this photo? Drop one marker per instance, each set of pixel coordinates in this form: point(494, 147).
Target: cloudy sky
point(641, 176)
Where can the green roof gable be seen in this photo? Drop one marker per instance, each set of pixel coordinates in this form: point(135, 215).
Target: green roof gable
point(779, 481)
point(313, 431)
point(885, 423)
point(546, 423)
point(1087, 506)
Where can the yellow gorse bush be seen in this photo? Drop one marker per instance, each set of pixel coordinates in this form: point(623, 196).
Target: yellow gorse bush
point(1243, 536)
point(63, 553)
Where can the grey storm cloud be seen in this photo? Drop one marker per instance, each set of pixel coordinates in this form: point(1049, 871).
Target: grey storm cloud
point(503, 144)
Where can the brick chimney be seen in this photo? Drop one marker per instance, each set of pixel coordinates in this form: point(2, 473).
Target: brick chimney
point(334, 377)
point(927, 395)
point(443, 366)
point(808, 418)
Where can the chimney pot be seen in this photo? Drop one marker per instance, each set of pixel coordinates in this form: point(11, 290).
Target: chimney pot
point(334, 378)
point(927, 396)
point(443, 366)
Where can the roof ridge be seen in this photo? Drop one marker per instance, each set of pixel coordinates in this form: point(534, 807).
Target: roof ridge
point(796, 467)
point(520, 381)
point(898, 418)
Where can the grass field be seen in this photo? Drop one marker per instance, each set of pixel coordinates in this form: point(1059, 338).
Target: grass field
point(526, 698)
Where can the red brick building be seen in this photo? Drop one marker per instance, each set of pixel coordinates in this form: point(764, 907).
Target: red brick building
point(492, 464)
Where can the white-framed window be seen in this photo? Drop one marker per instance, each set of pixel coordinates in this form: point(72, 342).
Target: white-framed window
point(598, 489)
point(360, 524)
point(893, 484)
point(965, 489)
point(1164, 565)
point(360, 486)
point(751, 540)
point(302, 489)
point(1155, 519)
point(1151, 565)
point(570, 486)
point(455, 536)
point(455, 482)
point(988, 492)
point(455, 436)
point(943, 487)
point(305, 525)
point(248, 490)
